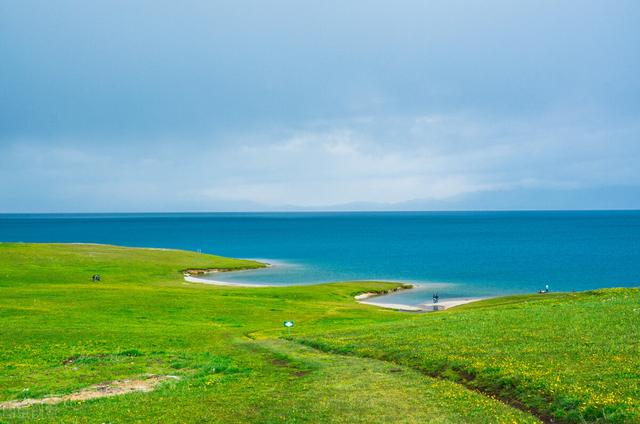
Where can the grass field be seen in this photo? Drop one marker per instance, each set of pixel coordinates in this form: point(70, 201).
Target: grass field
point(572, 356)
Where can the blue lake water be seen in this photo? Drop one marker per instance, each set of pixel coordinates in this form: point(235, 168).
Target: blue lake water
point(457, 254)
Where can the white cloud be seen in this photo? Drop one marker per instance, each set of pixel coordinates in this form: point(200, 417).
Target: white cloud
point(368, 159)
point(433, 157)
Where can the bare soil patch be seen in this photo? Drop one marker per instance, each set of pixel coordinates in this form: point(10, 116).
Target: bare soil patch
point(112, 388)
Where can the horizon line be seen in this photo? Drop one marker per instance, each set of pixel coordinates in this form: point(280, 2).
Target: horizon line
point(316, 211)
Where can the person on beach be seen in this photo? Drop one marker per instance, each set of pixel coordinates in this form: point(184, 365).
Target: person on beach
point(546, 289)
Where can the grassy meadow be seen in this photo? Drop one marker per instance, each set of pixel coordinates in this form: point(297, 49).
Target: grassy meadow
point(562, 357)
point(572, 357)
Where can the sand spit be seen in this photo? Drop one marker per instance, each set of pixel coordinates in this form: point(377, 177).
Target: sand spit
point(190, 279)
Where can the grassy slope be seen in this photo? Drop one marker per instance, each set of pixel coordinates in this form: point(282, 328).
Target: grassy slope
point(59, 332)
point(574, 356)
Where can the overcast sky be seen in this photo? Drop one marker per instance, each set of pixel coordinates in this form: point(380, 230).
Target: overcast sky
point(242, 105)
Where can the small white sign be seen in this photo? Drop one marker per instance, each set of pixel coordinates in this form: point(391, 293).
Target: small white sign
point(288, 324)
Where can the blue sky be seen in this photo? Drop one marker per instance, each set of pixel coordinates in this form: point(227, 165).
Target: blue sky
point(245, 105)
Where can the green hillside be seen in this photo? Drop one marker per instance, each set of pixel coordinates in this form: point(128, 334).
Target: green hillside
point(229, 358)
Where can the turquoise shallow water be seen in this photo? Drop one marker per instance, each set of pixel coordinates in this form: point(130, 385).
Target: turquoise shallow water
point(457, 254)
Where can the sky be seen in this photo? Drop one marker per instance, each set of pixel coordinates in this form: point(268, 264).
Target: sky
point(152, 105)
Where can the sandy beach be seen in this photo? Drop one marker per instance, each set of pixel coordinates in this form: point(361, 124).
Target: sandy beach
point(424, 307)
point(192, 279)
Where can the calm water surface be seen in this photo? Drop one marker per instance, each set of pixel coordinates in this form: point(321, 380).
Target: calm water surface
point(457, 254)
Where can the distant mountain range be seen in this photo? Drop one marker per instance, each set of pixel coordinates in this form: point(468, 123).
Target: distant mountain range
point(521, 199)
point(603, 198)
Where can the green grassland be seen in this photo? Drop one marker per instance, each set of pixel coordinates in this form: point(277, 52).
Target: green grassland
point(569, 356)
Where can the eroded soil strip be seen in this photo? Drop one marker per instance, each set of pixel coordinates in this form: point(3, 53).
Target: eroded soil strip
point(112, 388)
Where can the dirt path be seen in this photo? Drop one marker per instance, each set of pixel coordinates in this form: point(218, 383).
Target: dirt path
point(112, 388)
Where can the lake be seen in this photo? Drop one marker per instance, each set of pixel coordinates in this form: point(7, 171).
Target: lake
point(457, 254)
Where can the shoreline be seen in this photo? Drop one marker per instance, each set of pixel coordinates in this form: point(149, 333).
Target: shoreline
point(188, 275)
point(440, 306)
point(361, 298)
point(191, 279)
